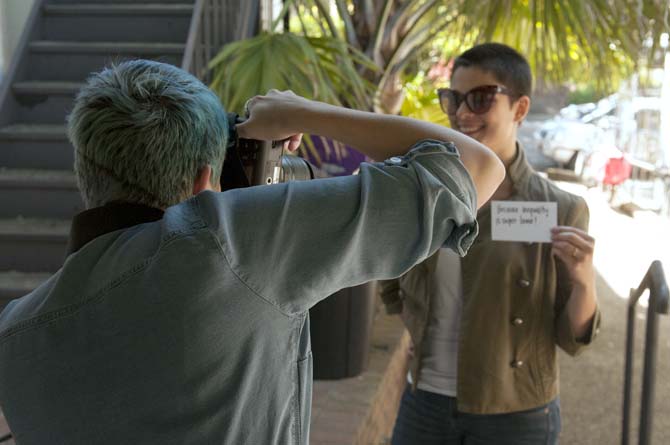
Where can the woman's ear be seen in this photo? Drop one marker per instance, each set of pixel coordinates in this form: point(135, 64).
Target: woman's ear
point(522, 108)
point(203, 180)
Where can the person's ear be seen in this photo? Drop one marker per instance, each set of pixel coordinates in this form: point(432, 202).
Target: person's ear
point(203, 180)
point(521, 109)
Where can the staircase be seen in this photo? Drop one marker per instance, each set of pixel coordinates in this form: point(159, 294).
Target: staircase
point(65, 41)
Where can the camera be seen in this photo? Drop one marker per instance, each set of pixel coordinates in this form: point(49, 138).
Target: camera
point(251, 162)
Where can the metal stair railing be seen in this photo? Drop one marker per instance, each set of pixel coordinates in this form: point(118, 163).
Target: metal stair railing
point(655, 282)
point(215, 23)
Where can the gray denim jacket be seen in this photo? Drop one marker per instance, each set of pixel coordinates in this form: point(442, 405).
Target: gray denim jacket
point(193, 329)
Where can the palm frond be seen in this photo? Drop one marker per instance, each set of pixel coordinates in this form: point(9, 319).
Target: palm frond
point(320, 68)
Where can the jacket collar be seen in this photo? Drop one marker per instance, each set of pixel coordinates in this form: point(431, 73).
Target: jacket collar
point(99, 221)
point(520, 170)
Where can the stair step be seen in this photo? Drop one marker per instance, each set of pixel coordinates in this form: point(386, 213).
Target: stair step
point(74, 61)
point(35, 147)
point(116, 8)
point(106, 22)
point(48, 46)
point(41, 102)
point(34, 228)
point(33, 245)
point(39, 193)
point(103, 2)
point(15, 284)
point(47, 87)
point(55, 179)
point(32, 132)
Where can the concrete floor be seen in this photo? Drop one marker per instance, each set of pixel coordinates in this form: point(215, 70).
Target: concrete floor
point(592, 383)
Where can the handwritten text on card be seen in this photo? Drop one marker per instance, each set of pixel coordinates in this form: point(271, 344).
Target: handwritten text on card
point(522, 221)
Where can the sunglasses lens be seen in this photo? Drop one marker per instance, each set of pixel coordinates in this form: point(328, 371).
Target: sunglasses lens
point(480, 100)
point(450, 101)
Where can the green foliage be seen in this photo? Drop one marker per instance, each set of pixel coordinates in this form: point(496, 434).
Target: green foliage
point(598, 41)
point(570, 40)
point(321, 68)
point(584, 94)
point(421, 101)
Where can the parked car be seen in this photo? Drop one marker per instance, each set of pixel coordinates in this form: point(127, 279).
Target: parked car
point(572, 143)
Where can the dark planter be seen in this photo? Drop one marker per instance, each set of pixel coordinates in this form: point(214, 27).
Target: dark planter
point(340, 327)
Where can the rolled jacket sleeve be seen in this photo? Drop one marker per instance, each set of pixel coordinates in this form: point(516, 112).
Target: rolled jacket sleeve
point(295, 243)
point(565, 337)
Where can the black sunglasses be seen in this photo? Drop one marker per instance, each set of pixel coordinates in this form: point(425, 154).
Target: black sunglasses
point(478, 99)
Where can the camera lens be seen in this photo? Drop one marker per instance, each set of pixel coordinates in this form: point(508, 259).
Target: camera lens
point(295, 168)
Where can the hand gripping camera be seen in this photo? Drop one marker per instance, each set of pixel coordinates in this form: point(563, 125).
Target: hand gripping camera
point(251, 162)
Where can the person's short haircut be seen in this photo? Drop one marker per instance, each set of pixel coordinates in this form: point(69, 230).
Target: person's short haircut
point(141, 131)
point(506, 64)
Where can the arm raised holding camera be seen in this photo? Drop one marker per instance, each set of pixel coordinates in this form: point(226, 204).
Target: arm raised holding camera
point(295, 243)
point(284, 115)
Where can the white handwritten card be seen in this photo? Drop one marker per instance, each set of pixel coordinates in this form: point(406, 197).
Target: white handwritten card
point(522, 221)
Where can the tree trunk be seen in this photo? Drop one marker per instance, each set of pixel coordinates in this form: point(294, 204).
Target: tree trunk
point(390, 95)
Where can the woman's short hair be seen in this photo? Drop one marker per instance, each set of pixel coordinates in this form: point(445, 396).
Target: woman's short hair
point(505, 63)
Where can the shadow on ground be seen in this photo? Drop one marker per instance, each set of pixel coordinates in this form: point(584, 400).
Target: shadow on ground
point(592, 383)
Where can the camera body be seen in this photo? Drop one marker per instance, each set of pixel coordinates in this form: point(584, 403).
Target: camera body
point(251, 162)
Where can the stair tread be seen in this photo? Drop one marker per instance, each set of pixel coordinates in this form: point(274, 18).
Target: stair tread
point(116, 47)
point(106, 2)
point(124, 8)
point(22, 177)
point(34, 131)
point(22, 281)
point(34, 227)
point(46, 87)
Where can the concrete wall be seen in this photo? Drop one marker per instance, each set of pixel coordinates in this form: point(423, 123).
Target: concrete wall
point(13, 15)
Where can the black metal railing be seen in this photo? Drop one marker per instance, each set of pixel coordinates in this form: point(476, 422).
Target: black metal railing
point(215, 23)
point(659, 303)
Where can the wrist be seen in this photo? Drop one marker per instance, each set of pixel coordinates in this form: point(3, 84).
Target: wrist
point(584, 287)
point(315, 117)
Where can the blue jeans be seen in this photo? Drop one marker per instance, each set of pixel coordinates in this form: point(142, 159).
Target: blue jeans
point(426, 418)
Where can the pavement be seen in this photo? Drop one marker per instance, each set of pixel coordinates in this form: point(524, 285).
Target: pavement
point(627, 241)
point(592, 383)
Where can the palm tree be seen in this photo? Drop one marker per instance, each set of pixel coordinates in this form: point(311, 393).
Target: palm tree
point(323, 68)
point(596, 38)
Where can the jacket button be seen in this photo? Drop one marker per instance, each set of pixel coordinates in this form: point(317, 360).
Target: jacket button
point(517, 321)
point(516, 364)
point(523, 283)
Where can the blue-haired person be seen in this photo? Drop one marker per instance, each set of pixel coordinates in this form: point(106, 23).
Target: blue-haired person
point(180, 315)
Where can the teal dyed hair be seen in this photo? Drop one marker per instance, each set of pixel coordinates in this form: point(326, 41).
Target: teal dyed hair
point(141, 131)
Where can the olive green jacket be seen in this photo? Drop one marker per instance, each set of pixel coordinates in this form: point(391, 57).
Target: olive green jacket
point(514, 308)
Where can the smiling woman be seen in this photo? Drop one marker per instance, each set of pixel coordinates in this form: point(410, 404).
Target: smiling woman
point(528, 280)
